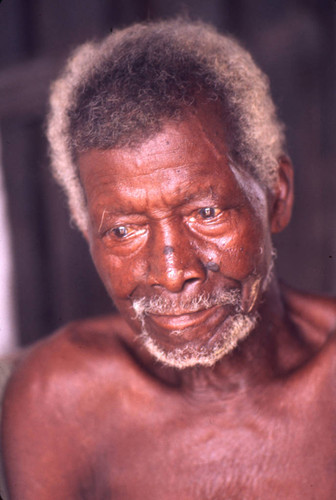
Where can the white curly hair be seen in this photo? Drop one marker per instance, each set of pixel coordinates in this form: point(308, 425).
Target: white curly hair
point(119, 91)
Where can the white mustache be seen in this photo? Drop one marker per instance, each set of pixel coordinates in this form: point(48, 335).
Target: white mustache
point(165, 306)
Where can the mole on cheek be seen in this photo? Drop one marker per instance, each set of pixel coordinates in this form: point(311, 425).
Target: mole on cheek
point(168, 250)
point(212, 266)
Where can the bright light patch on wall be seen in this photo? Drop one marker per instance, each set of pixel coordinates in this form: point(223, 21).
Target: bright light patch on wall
point(8, 337)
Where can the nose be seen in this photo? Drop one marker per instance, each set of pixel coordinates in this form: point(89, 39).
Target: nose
point(173, 262)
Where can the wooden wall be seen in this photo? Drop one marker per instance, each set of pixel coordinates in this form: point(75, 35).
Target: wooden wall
point(294, 42)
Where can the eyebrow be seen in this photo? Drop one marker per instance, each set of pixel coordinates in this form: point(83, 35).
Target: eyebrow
point(208, 193)
point(197, 195)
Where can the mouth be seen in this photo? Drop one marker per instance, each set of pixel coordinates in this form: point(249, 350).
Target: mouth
point(182, 321)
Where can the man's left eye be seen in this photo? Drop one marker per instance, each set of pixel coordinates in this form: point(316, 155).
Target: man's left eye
point(120, 231)
point(208, 212)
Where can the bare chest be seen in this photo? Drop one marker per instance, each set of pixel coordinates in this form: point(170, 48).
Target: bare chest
point(208, 456)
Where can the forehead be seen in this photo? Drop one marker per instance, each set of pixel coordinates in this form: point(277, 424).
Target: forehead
point(185, 158)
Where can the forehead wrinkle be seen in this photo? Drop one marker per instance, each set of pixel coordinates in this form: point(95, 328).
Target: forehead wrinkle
point(182, 195)
point(183, 199)
point(136, 200)
point(173, 150)
point(178, 195)
point(154, 153)
point(162, 169)
point(143, 159)
point(207, 193)
point(164, 200)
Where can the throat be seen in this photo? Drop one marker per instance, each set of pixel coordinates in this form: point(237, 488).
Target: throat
point(254, 362)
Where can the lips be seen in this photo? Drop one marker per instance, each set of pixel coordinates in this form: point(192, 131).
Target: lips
point(182, 321)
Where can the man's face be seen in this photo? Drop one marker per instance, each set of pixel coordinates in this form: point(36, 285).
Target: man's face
point(180, 238)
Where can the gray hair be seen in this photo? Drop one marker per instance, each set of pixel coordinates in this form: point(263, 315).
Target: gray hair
point(118, 92)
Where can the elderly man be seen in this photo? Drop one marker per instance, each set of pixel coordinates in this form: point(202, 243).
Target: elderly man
point(213, 382)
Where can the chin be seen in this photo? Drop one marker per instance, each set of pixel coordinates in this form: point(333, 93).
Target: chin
point(224, 340)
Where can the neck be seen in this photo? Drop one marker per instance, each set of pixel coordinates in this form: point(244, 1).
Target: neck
point(270, 351)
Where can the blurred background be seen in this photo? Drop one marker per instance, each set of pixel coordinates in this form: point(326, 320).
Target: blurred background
point(46, 275)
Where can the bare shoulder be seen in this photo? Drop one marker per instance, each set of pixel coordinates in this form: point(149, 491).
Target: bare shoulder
point(315, 314)
point(62, 387)
point(76, 356)
point(315, 318)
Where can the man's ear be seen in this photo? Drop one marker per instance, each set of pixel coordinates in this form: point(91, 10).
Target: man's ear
point(282, 196)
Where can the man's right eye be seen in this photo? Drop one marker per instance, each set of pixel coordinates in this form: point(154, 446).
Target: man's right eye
point(124, 233)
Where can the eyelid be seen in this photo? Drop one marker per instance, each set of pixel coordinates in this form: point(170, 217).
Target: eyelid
point(130, 227)
point(196, 215)
point(214, 226)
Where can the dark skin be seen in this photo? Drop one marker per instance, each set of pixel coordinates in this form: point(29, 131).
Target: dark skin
point(89, 414)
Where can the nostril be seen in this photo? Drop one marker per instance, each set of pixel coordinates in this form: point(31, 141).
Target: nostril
point(191, 280)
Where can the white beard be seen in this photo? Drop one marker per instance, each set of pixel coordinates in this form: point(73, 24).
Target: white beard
point(235, 328)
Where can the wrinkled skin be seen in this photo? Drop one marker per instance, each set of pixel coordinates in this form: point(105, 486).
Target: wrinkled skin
point(90, 414)
point(157, 196)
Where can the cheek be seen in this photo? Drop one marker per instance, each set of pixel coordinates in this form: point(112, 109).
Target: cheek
point(119, 274)
point(245, 251)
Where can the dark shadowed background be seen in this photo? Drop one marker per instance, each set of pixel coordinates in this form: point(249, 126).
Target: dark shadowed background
point(293, 42)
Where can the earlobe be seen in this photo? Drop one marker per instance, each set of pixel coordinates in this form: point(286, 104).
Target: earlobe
point(282, 201)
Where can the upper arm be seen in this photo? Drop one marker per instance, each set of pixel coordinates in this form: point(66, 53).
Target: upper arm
point(51, 402)
point(37, 446)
